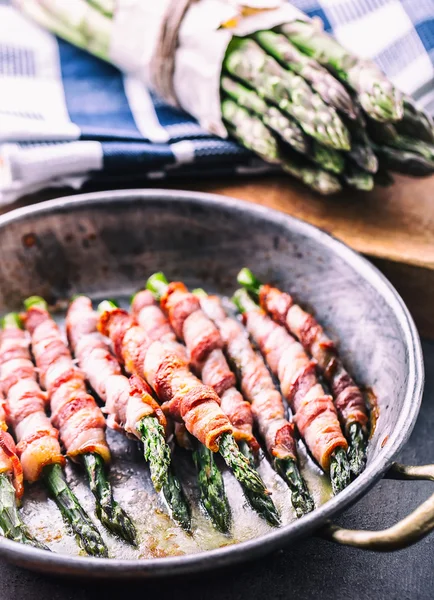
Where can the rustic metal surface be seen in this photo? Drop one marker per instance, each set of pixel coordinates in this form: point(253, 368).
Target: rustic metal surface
point(109, 243)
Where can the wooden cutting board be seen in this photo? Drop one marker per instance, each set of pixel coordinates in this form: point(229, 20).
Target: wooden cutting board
point(393, 227)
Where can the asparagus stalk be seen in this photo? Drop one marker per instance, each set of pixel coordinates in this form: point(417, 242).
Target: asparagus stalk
point(108, 511)
point(106, 7)
point(87, 535)
point(246, 61)
point(249, 479)
point(212, 492)
point(330, 89)
point(358, 179)
point(250, 131)
point(407, 163)
point(410, 144)
point(364, 157)
point(416, 123)
point(320, 181)
point(378, 97)
point(76, 21)
point(339, 466)
point(272, 117)
point(157, 454)
point(283, 126)
point(253, 134)
point(11, 525)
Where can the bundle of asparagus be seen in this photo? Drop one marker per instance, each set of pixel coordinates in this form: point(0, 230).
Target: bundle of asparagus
point(293, 96)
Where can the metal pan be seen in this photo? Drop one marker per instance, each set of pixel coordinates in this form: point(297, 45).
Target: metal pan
point(105, 245)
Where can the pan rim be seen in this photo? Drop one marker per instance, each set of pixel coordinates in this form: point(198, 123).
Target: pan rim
point(158, 567)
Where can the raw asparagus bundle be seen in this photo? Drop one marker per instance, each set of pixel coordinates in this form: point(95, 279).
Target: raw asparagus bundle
point(290, 94)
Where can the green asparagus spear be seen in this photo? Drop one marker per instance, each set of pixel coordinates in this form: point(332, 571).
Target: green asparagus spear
point(157, 454)
point(327, 158)
point(410, 144)
point(246, 61)
point(378, 97)
point(251, 482)
point(286, 128)
point(108, 510)
point(364, 157)
point(11, 525)
point(87, 535)
point(320, 181)
point(76, 21)
point(250, 131)
point(416, 122)
point(356, 448)
point(211, 486)
point(340, 473)
point(407, 163)
point(106, 7)
point(330, 89)
point(358, 179)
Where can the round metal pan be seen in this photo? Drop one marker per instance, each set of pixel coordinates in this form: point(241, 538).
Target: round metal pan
point(106, 244)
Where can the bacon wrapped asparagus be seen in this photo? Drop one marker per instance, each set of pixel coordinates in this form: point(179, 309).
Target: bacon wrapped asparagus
point(75, 413)
point(38, 443)
point(184, 397)
point(210, 480)
point(315, 413)
point(11, 486)
point(128, 402)
point(267, 404)
point(348, 397)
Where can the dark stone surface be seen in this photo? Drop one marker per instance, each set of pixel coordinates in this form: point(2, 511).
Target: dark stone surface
point(311, 569)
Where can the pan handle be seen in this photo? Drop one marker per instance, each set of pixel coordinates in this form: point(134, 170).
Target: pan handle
point(410, 530)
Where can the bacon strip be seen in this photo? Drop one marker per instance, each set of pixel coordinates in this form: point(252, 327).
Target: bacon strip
point(182, 395)
point(315, 413)
point(9, 461)
point(73, 411)
point(256, 382)
point(38, 443)
point(348, 398)
point(127, 400)
point(204, 343)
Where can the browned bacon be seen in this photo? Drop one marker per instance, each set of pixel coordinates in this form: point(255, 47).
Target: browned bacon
point(127, 400)
point(38, 444)
point(348, 398)
point(204, 344)
point(182, 395)
point(315, 413)
point(256, 382)
point(9, 461)
point(73, 411)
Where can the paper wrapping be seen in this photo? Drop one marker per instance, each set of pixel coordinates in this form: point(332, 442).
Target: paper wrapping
point(204, 36)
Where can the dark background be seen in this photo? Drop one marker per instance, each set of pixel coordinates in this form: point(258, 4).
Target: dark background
point(311, 569)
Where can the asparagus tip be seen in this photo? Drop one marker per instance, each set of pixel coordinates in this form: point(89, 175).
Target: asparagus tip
point(357, 449)
point(35, 301)
point(243, 301)
point(157, 284)
point(107, 306)
point(340, 474)
point(248, 280)
point(12, 320)
point(301, 498)
point(200, 292)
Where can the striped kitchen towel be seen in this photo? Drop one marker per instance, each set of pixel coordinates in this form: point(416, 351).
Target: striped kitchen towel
point(67, 118)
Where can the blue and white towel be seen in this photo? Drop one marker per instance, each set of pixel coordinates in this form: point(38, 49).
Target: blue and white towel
point(67, 118)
